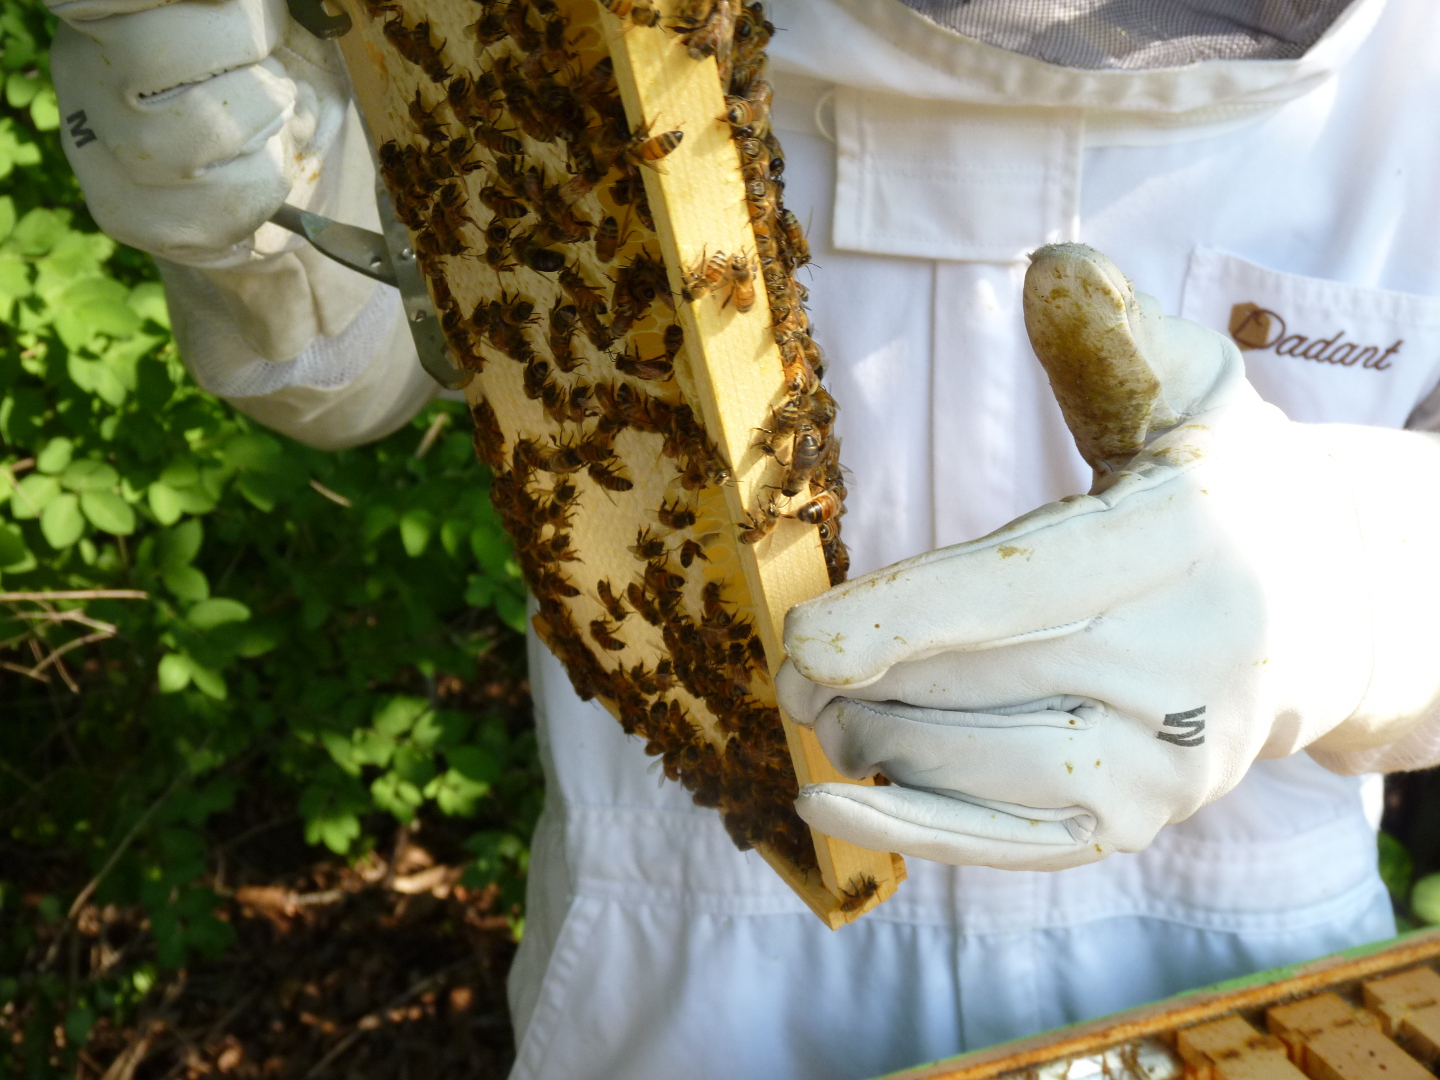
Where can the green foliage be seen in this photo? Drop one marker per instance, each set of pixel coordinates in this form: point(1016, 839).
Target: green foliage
point(301, 607)
point(1397, 868)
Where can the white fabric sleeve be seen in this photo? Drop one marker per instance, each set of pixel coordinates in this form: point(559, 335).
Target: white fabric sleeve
point(327, 380)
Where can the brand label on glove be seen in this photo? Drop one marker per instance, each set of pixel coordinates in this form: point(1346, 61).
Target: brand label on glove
point(1323, 351)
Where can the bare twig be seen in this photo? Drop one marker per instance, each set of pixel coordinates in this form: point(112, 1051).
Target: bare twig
point(372, 1020)
point(432, 433)
point(75, 594)
point(333, 496)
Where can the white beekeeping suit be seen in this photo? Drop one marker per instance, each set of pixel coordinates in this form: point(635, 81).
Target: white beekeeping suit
point(1266, 170)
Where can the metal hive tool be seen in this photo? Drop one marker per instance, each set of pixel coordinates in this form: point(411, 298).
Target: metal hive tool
point(593, 197)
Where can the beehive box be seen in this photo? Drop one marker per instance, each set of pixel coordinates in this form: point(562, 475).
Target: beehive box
point(593, 195)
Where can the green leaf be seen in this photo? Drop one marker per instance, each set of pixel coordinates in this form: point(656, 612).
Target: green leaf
point(165, 503)
point(210, 682)
point(55, 455)
point(186, 583)
point(108, 512)
point(33, 494)
point(252, 452)
point(455, 794)
point(39, 230)
point(16, 148)
point(90, 306)
point(61, 522)
point(21, 88)
point(88, 474)
point(1425, 899)
point(14, 555)
point(416, 527)
point(336, 831)
point(148, 301)
point(7, 215)
point(399, 714)
point(177, 547)
point(397, 795)
point(174, 672)
point(45, 110)
point(208, 614)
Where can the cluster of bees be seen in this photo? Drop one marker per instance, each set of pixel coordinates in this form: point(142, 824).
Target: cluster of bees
point(523, 165)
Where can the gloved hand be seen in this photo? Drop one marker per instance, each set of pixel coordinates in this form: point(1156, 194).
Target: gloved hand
point(1235, 586)
point(188, 124)
point(199, 120)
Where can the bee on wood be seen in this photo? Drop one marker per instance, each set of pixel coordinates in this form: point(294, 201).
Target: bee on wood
point(691, 550)
point(604, 636)
point(649, 151)
point(647, 546)
point(753, 32)
point(585, 295)
point(645, 279)
point(798, 248)
point(761, 195)
point(643, 605)
point(707, 275)
point(487, 30)
point(676, 515)
point(663, 582)
point(756, 529)
point(822, 507)
point(631, 363)
point(502, 202)
point(749, 115)
point(537, 374)
point(542, 260)
point(563, 318)
point(613, 605)
point(489, 438)
point(804, 460)
point(674, 341)
point(659, 681)
point(740, 279)
point(599, 81)
point(623, 191)
point(711, 606)
point(431, 128)
point(609, 477)
point(607, 239)
point(860, 890)
point(633, 12)
point(585, 180)
point(497, 140)
point(707, 28)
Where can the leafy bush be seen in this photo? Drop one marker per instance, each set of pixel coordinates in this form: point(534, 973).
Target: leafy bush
point(248, 618)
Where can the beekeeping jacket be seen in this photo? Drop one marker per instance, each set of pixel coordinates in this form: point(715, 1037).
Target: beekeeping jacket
point(1271, 175)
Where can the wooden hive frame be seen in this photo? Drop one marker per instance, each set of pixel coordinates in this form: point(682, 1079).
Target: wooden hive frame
point(626, 453)
point(1166, 1040)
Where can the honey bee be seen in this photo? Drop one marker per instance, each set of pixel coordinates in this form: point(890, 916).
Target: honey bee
point(643, 149)
point(634, 12)
point(798, 248)
point(740, 277)
point(542, 260)
point(585, 295)
point(537, 374)
point(822, 507)
point(659, 681)
point(676, 515)
point(647, 546)
point(502, 202)
point(804, 460)
point(662, 581)
point(613, 605)
point(560, 336)
point(609, 477)
point(641, 602)
point(607, 239)
point(860, 890)
point(487, 30)
point(630, 363)
point(604, 636)
point(761, 195)
point(691, 550)
point(707, 275)
point(674, 341)
point(749, 115)
point(755, 529)
point(489, 439)
point(707, 28)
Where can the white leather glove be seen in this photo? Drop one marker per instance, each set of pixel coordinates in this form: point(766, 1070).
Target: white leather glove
point(188, 125)
point(1235, 586)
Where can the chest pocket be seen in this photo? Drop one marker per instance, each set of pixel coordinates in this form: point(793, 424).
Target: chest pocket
point(1323, 351)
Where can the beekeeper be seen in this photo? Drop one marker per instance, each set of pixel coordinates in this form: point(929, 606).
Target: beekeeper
point(1096, 716)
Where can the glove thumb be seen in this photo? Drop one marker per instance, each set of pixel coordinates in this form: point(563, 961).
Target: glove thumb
point(1121, 371)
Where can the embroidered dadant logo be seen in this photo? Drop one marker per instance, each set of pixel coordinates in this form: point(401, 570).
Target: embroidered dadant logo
point(1258, 329)
point(1191, 727)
